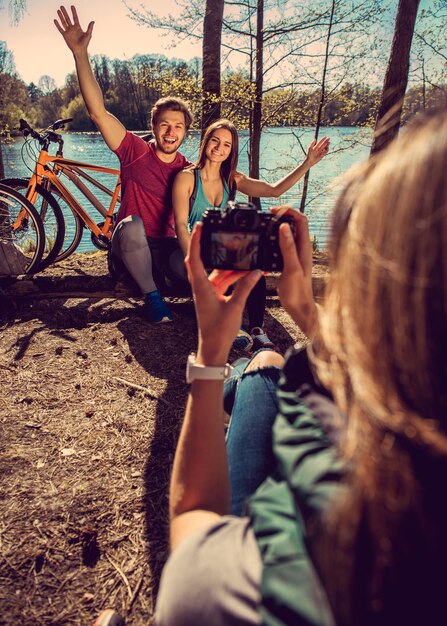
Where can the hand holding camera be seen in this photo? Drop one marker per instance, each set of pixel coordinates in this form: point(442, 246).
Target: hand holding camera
point(295, 282)
point(242, 238)
point(219, 316)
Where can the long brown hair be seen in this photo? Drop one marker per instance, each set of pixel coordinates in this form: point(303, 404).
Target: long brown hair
point(228, 167)
point(383, 355)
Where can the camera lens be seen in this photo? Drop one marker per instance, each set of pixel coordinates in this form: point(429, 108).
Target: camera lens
point(245, 219)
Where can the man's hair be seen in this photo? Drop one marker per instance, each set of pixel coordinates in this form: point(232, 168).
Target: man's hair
point(171, 104)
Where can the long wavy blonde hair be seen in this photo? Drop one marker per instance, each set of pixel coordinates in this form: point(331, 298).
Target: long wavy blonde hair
point(383, 355)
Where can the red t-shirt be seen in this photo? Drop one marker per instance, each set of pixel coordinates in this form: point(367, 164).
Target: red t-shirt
point(146, 185)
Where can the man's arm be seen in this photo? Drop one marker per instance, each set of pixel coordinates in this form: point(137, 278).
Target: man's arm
point(181, 193)
point(262, 189)
point(77, 40)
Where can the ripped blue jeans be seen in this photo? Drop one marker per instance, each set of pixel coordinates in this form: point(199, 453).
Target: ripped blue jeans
point(250, 399)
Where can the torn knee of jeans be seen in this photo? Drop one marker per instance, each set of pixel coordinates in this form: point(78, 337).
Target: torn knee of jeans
point(273, 370)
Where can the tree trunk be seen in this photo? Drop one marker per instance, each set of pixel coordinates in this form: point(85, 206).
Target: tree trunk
point(396, 77)
point(212, 37)
point(255, 138)
point(321, 103)
point(2, 166)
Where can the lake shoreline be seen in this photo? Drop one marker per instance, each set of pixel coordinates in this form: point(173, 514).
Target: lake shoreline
point(280, 152)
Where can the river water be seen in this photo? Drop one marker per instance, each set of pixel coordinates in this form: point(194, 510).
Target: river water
point(280, 151)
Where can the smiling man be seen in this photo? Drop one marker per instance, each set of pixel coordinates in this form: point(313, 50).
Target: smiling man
point(144, 240)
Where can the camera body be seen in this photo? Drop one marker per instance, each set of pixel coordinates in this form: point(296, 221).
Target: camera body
point(242, 238)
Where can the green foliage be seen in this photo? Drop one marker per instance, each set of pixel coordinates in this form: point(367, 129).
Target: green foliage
point(135, 86)
point(14, 100)
point(178, 82)
point(351, 105)
point(77, 111)
point(34, 92)
point(131, 87)
point(238, 94)
point(49, 108)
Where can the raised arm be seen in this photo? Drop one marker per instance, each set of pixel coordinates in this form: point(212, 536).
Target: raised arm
point(181, 193)
point(77, 41)
point(261, 189)
point(199, 491)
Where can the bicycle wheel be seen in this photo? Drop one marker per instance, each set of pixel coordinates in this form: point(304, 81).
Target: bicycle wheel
point(74, 226)
point(51, 216)
point(22, 237)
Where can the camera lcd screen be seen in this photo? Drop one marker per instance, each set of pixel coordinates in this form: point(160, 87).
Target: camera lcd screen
point(234, 250)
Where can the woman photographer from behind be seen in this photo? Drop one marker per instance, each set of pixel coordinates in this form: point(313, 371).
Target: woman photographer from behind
point(211, 183)
point(349, 526)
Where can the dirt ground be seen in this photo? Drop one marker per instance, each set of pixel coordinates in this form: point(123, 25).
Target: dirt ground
point(92, 399)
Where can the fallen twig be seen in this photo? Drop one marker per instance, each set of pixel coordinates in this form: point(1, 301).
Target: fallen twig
point(145, 390)
point(136, 590)
point(121, 573)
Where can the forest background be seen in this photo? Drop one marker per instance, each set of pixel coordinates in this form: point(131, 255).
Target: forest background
point(277, 54)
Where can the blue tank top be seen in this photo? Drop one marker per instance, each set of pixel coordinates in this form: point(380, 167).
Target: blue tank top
point(201, 203)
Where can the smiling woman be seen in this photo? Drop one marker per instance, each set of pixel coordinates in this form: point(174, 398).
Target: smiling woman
point(219, 146)
point(214, 180)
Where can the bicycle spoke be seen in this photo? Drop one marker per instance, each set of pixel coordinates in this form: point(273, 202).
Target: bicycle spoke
point(21, 234)
point(51, 216)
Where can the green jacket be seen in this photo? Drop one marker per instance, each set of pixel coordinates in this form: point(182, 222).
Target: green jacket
point(307, 478)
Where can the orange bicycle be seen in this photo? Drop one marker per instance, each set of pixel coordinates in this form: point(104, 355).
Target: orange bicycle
point(47, 190)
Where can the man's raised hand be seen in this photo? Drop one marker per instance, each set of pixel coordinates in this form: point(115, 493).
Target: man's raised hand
point(70, 29)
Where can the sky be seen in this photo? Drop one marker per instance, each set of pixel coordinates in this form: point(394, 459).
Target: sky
point(39, 49)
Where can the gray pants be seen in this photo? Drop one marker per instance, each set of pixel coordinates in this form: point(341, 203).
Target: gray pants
point(154, 263)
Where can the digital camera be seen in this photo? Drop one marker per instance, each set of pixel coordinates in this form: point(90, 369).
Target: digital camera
point(242, 238)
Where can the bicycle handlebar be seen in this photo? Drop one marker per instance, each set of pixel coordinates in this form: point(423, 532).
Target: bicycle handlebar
point(60, 123)
point(48, 135)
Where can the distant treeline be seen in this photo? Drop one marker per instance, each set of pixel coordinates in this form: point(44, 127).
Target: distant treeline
point(131, 87)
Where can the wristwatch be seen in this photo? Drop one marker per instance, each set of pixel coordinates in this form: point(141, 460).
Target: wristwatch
point(195, 371)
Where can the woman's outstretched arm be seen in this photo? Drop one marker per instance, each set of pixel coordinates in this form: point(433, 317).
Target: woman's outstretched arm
point(262, 189)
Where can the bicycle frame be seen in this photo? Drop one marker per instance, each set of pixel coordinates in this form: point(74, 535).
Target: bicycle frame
point(48, 168)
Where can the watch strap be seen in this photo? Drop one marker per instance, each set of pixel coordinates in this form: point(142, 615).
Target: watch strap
point(195, 371)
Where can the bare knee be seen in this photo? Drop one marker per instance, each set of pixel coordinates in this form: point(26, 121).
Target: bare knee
point(266, 358)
